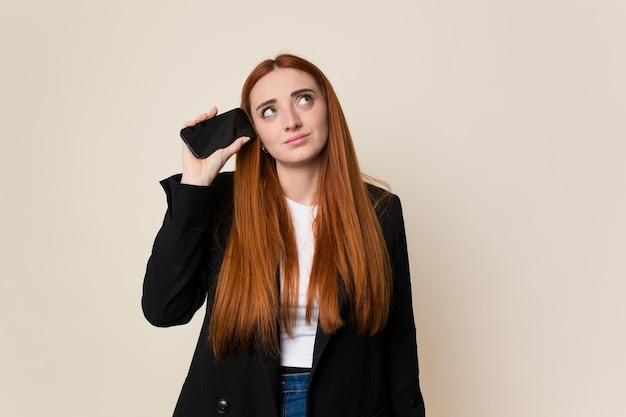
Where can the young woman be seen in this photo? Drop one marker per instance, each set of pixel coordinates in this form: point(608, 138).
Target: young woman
point(303, 266)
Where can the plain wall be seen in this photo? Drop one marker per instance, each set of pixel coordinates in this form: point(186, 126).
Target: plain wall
point(500, 124)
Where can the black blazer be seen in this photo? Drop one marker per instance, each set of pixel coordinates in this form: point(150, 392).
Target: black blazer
point(351, 375)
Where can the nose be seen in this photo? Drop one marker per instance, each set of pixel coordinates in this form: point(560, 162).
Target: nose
point(291, 120)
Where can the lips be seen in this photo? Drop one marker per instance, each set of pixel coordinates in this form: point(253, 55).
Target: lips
point(297, 139)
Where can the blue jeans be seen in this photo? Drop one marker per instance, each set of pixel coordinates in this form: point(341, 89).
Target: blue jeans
point(293, 390)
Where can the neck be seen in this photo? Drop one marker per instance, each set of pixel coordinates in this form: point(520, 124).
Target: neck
point(299, 183)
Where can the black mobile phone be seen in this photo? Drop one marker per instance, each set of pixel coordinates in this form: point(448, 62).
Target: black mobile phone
point(217, 132)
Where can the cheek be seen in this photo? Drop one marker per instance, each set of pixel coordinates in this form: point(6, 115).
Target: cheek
point(264, 132)
point(322, 115)
point(326, 135)
point(323, 124)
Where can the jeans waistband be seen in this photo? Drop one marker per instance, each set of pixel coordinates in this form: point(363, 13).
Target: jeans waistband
point(298, 382)
point(290, 370)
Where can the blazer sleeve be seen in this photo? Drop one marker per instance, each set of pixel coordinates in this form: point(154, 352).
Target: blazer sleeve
point(400, 335)
point(175, 283)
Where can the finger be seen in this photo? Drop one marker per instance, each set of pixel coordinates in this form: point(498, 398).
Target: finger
point(202, 117)
point(234, 147)
point(206, 116)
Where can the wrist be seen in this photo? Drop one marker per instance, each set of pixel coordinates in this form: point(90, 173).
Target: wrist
point(194, 179)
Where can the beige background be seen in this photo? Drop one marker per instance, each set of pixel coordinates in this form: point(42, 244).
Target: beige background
point(501, 125)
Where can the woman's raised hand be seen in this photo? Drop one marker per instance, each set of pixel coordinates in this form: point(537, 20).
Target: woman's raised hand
point(203, 171)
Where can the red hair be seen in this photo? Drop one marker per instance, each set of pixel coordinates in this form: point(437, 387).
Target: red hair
point(350, 264)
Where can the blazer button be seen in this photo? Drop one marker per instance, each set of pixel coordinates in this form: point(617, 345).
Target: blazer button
point(222, 406)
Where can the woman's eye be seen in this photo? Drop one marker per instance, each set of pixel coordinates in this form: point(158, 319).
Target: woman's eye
point(305, 99)
point(268, 112)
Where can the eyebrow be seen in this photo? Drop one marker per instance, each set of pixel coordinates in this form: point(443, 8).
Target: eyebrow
point(294, 94)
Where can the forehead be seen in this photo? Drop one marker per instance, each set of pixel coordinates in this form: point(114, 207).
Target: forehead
point(281, 83)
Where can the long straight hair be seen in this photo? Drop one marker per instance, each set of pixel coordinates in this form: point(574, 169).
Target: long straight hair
point(351, 264)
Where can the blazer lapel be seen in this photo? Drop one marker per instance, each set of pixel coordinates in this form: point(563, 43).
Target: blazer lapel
point(321, 340)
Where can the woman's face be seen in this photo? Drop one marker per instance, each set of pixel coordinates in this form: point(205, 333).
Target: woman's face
point(290, 116)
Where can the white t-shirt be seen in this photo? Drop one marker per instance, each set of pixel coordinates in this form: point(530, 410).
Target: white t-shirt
point(298, 351)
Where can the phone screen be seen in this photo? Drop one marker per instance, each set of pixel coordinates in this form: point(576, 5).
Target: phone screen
point(217, 132)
